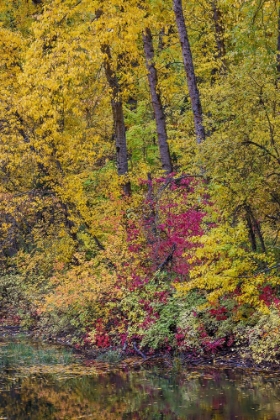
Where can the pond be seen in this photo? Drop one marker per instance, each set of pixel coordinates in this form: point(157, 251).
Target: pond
point(40, 381)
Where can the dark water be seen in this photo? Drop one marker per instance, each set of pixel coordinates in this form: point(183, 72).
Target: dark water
point(45, 382)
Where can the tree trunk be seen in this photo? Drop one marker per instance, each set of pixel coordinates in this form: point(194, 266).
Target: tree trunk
point(219, 30)
point(118, 118)
point(254, 229)
point(219, 35)
point(278, 44)
point(156, 102)
point(251, 231)
point(189, 68)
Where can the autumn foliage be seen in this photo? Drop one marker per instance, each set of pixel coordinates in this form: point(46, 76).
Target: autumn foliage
point(139, 173)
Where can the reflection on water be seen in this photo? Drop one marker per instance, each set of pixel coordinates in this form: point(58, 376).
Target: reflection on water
point(46, 383)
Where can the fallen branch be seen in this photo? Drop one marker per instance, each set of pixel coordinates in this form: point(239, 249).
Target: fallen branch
point(139, 351)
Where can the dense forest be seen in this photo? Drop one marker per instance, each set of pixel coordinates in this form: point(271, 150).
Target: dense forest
point(139, 173)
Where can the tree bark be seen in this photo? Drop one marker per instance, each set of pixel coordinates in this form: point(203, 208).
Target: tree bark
point(156, 102)
point(278, 44)
point(219, 30)
point(189, 68)
point(118, 119)
point(219, 36)
point(254, 229)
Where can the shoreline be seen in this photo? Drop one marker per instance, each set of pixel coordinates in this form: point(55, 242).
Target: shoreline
point(231, 359)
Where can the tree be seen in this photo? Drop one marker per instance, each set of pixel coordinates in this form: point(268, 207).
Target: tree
point(156, 102)
point(118, 118)
point(190, 72)
point(219, 33)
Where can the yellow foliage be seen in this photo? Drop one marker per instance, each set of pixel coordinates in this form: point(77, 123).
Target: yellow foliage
point(223, 264)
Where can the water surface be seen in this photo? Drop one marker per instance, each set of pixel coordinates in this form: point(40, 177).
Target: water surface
point(47, 382)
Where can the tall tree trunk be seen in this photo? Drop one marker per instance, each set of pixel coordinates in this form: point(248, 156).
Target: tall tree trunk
point(156, 102)
point(219, 35)
point(189, 68)
point(118, 118)
point(219, 30)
